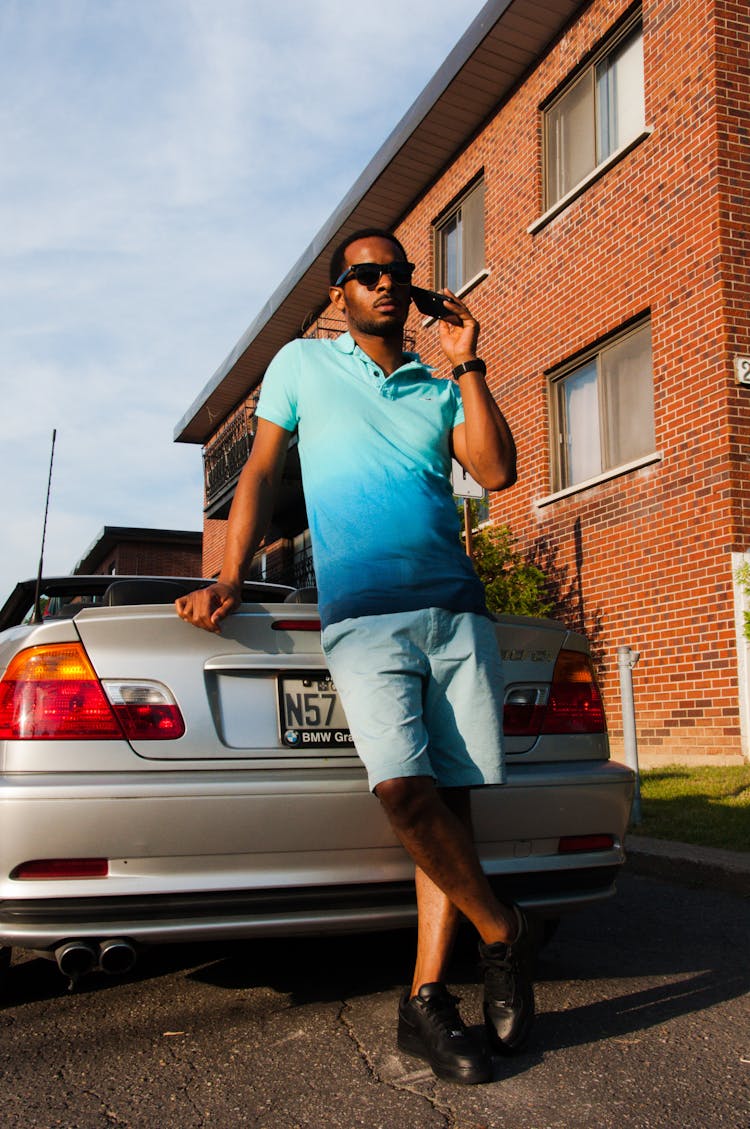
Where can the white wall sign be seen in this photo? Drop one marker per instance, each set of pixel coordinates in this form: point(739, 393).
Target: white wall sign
point(742, 369)
point(464, 486)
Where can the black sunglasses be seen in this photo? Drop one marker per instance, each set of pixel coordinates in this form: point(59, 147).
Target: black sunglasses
point(369, 274)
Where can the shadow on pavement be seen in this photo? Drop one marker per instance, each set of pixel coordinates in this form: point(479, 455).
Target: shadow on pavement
point(587, 978)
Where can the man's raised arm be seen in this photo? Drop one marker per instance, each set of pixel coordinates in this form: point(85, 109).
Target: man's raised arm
point(484, 443)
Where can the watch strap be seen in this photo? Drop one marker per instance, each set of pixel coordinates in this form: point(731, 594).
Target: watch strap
point(470, 366)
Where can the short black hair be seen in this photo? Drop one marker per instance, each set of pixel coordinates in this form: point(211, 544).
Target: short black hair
point(338, 260)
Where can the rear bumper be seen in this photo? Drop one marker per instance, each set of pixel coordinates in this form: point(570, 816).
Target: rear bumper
point(195, 856)
point(44, 923)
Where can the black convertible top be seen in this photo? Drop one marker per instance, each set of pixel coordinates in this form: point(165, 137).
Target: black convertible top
point(66, 595)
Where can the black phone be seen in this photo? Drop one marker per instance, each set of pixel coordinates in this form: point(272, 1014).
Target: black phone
point(432, 305)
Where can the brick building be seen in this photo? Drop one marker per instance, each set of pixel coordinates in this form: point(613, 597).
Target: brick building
point(132, 551)
point(581, 172)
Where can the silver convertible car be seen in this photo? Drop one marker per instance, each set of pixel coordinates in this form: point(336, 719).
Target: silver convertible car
point(159, 783)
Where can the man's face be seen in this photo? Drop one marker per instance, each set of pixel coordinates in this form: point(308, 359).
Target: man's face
point(379, 310)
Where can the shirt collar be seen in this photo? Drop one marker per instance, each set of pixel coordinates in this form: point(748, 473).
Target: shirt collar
point(346, 344)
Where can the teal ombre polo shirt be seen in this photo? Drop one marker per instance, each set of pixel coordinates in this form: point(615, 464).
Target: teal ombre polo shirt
point(376, 463)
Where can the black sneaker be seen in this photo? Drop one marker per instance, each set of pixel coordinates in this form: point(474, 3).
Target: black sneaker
point(430, 1028)
point(508, 991)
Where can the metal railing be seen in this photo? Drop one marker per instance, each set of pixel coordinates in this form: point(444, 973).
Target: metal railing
point(332, 327)
point(324, 327)
point(297, 570)
point(227, 452)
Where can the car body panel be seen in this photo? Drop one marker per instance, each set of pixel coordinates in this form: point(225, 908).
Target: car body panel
point(228, 832)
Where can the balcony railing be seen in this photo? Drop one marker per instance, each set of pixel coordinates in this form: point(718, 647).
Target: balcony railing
point(228, 450)
point(324, 327)
point(296, 570)
point(332, 327)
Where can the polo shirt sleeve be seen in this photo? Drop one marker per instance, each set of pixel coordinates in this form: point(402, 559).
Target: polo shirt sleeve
point(279, 393)
point(457, 404)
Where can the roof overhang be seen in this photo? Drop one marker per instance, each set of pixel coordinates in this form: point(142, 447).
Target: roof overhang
point(486, 65)
point(113, 535)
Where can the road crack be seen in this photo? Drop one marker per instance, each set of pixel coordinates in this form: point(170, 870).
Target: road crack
point(111, 1115)
point(406, 1083)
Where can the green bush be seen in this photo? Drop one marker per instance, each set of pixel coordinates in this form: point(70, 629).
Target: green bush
point(742, 576)
point(513, 586)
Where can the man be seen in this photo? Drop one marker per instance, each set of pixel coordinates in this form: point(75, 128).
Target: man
point(406, 633)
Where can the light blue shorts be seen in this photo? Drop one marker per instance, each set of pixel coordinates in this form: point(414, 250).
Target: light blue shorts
point(423, 695)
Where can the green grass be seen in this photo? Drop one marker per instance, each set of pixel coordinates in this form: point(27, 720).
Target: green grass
point(706, 806)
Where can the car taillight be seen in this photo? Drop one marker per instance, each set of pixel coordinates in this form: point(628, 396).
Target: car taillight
point(45, 869)
point(52, 693)
point(571, 703)
point(575, 703)
point(296, 625)
point(145, 710)
point(579, 844)
point(524, 711)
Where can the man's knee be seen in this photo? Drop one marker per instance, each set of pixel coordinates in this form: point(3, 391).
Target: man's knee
point(406, 798)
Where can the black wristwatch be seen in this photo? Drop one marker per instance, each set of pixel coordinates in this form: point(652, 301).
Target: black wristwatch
point(470, 366)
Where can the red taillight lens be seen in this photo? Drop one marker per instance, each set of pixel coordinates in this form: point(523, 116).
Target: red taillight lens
point(145, 710)
point(577, 844)
point(52, 693)
point(40, 869)
point(523, 714)
point(575, 704)
point(296, 625)
point(571, 704)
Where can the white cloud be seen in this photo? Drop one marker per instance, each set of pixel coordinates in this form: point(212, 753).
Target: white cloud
point(165, 163)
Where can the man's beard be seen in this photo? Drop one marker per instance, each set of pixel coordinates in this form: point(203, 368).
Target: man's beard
point(392, 326)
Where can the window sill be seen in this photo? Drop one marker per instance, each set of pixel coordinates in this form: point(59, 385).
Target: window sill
point(594, 175)
point(616, 472)
point(462, 292)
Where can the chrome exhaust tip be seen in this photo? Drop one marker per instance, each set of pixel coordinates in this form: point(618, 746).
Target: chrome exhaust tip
point(116, 956)
point(75, 959)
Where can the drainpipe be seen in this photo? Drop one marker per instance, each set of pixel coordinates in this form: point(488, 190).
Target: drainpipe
point(626, 660)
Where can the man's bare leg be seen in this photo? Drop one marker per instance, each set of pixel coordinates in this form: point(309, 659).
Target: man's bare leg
point(443, 849)
point(436, 831)
point(437, 916)
point(437, 924)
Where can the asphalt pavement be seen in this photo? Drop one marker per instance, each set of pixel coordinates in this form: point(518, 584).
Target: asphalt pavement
point(643, 1022)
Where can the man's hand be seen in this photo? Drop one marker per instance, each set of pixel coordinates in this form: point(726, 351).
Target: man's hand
point(207, 607)
point(458, 342)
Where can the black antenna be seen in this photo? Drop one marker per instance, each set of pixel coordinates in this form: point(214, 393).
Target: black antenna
point(37, 593)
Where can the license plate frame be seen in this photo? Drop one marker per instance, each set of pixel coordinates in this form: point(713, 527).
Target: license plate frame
point(311, 717)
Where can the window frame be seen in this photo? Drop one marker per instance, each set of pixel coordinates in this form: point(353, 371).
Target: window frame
point(469, 271)
point(587, 72)
point(559, 430)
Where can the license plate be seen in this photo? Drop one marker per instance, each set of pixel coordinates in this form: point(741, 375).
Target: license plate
point(311, 714)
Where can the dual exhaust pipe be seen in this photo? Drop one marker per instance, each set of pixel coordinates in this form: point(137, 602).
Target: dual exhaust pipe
point(115, 956)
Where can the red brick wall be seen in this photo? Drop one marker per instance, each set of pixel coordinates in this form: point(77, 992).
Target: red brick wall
point(214, 535)
point(643, 558)
point(135, 558)
point(733, 113)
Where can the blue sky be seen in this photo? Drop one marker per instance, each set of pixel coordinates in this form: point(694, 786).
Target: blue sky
point(164, 164)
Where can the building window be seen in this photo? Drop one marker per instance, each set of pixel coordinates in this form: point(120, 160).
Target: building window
point(302, 560)
point(603, 409)
point(459, 241)
point(259, 567)
point(598, 113)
